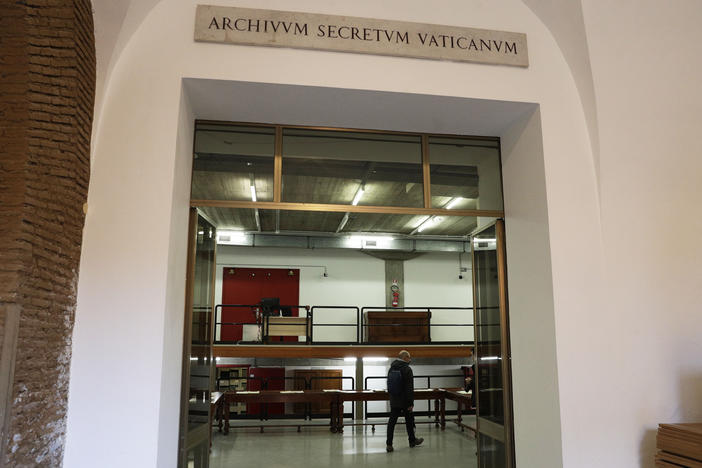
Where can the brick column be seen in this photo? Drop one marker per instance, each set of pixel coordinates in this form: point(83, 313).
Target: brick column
point(47, 85)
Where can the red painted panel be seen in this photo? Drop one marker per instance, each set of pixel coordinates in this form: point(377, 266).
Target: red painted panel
point(275, 380)
point(249, 286)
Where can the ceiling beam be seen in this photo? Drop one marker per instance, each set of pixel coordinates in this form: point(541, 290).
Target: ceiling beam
point(345, 208)
point(320, 351)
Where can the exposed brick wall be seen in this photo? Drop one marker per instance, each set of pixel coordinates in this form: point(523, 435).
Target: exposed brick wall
point(47, 82)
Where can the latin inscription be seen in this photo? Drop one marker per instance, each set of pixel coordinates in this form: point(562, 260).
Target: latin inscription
point(360, 35)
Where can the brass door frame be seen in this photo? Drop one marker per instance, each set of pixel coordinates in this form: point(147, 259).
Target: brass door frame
point(187, 332)
point(184, 444)
point(503, 433)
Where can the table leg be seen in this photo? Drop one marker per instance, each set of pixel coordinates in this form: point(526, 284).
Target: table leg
point(443, 413)
point(210, 422)
point(459, 415)
point(437, 409)
point(339, 415)
point(226, 416)
point(219, 410)
point(332, 416)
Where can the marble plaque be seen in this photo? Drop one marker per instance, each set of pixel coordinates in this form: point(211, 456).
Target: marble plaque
point(233, 25)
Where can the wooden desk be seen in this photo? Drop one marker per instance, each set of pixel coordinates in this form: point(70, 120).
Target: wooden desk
point(397, 327)
point(372, 395)
point(285, 326)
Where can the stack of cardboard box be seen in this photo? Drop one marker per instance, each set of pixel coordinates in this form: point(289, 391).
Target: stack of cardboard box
point(679, 445)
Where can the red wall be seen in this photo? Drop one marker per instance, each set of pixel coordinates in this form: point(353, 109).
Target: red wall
point(249, 286)
point(276, 382)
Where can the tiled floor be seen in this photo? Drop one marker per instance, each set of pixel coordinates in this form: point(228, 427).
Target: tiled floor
point(317, 447)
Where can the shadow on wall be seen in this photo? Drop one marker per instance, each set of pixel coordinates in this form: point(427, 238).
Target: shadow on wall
point(647, 451)
point(688, 410)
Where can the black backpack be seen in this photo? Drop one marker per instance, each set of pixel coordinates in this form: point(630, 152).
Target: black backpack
point(395, 384)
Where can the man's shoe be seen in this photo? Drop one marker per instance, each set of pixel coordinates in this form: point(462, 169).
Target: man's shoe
point(388, 448)
point(416, 442)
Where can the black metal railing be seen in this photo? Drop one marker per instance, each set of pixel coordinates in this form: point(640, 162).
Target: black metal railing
point(353, 318)
point(258, 319)
point(313, 324)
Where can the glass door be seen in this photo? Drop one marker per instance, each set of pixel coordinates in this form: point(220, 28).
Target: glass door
point(492, 389)
point(198, 364)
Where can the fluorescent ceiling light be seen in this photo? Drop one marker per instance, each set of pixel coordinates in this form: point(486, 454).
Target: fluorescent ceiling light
point(454, 202)
point(490, 358)
point(375, 359)
point(358, 196)
point(253, 193)
point(350, 359)
point(428, 223)
point(230, 237)
point(480, 241)
point(343, 222)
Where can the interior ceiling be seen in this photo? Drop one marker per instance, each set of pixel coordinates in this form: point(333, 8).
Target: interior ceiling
point(240, 101)
point(318, 222)
point(329, 168)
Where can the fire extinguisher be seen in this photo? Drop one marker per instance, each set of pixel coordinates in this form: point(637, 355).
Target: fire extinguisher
point(395, 289)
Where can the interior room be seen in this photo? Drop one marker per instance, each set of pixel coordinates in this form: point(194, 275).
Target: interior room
point(317, 257)
point(132, 223)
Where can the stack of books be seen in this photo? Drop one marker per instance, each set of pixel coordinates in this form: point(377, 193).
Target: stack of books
point(679, 445)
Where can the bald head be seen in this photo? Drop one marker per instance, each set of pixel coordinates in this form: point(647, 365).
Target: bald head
point(404, 355)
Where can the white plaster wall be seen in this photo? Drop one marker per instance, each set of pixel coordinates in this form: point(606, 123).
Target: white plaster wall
point(432, 280)
point(122, 304)
point(173, 323)
point(530, 290)
point(645, 60)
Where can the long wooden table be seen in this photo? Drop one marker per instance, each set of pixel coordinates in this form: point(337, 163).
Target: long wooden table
point(336, 399)
point(438, 395)
point(289, 396)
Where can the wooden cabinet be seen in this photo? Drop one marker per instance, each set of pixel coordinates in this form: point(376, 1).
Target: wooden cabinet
point(319, 379)
point(397, 327)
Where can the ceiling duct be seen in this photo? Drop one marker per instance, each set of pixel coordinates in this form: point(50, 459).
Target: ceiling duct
point(378, 246)
point(392, 255)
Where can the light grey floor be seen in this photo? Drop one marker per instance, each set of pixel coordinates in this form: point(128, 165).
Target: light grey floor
point(317, 447)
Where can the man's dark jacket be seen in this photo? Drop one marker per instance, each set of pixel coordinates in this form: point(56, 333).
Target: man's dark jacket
point(406, 398)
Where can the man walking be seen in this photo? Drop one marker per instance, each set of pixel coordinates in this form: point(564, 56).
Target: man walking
point(401, 390)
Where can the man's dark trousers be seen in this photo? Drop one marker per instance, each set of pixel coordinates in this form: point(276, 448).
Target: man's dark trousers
point(409, 423)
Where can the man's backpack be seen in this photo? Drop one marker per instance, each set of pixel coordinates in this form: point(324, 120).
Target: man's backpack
point(395, 384)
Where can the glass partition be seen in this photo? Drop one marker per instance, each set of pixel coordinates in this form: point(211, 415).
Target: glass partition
point(352, 168)
point(465, 173)
point(233, 162)
point(198, 364)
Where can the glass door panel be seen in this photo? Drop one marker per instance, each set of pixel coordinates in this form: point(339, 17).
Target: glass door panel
point(493, 375)
point(198, 363)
